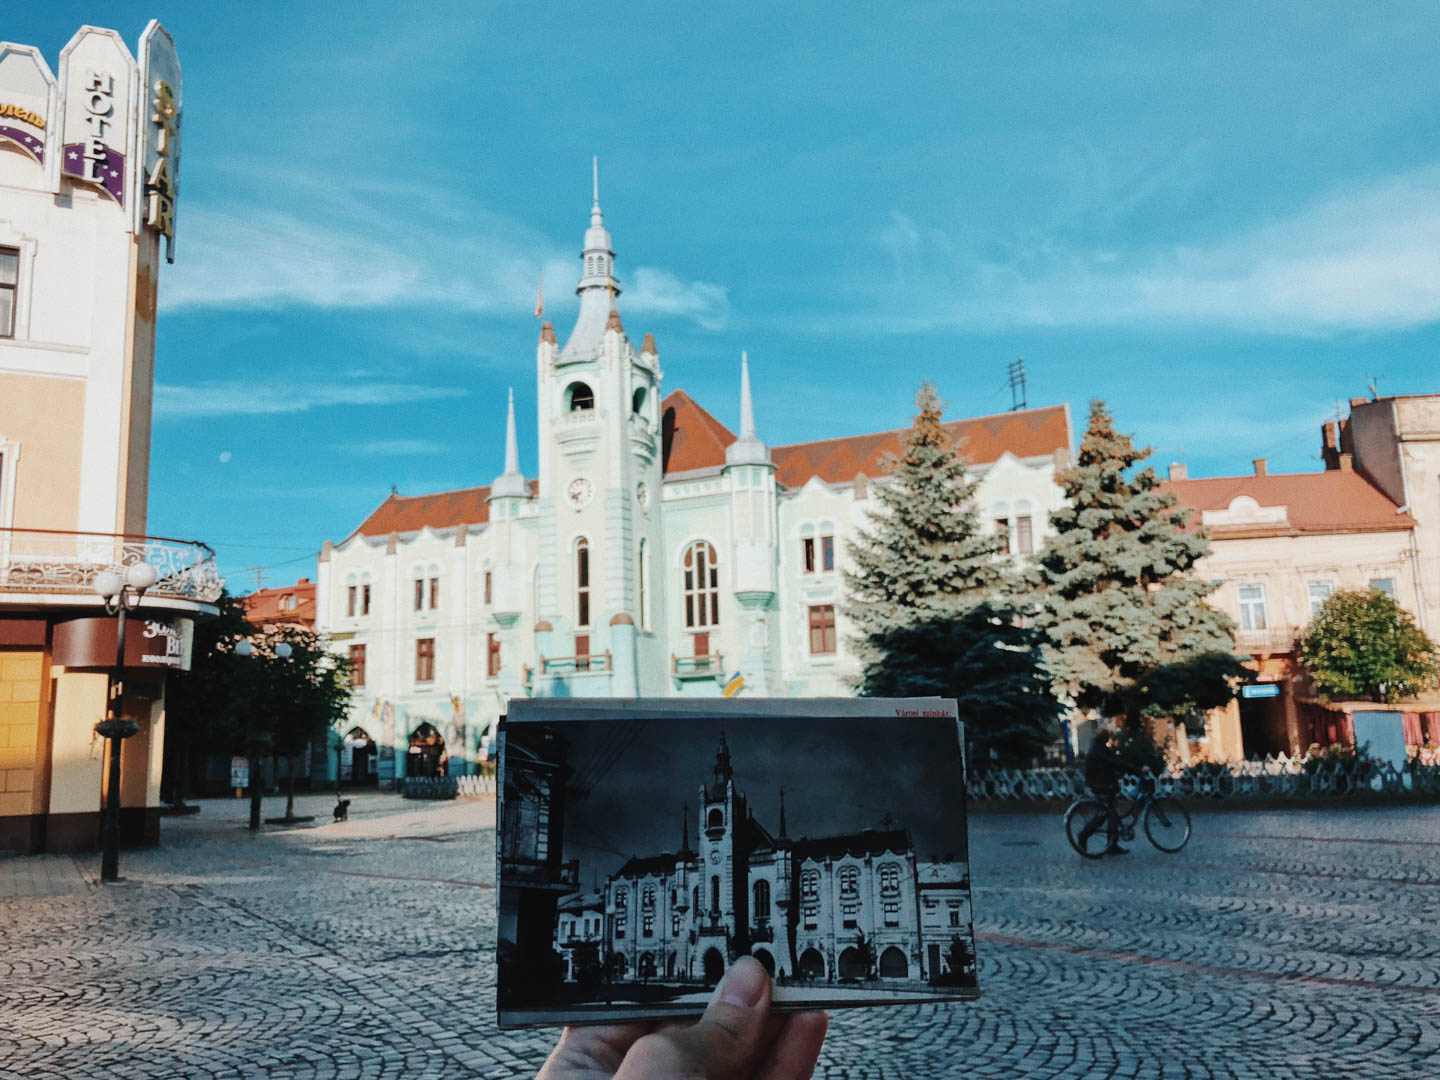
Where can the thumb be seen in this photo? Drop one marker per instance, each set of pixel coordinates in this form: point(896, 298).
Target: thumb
point(726, 1043)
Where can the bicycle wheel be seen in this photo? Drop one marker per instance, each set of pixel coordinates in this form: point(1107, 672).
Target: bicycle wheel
point(1167, 824)
point(1085, 828)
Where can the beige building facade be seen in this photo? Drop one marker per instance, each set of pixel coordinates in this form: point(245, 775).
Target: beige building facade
point(88, 180)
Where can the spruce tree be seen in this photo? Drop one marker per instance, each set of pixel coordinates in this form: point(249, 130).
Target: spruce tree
point(925, 554)
point(1127, 627)
point(927, 590)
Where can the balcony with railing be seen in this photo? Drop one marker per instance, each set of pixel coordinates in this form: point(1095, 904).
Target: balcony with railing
point(58, 566)
point(707, 666)
point(1274, 639)
point(588, 664)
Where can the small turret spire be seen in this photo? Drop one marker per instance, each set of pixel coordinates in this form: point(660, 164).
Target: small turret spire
point(747, 449)
point(595, 216)
point(747, 407)
point(511, 482)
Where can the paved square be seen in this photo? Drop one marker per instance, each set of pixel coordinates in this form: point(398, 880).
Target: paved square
point(1288, 944)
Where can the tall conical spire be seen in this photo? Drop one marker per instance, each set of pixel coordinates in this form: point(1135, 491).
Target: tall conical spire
point(596, 218)
point(510, 482)
point(748, 449)
point(597, 288)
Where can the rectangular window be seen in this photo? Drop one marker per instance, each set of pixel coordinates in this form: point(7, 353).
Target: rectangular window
point(827, 553)
point(674, 925)
point(1002, 533)
point(9, 287)
point(822, 629)
point(419, 593)
point(357, 665)
point(492, 655)
point(434, 593)
point(582, 652)
point(425, 659)
point(1252, 607)
point(807, 554)
point(954, 916)
point(1024, 535)
point(489, 588)
point(892, 913)
point(1385, 585)
point(350, 601)
point(582, 585)
point(648, 924)
point(1319, 592)
point(364, 599)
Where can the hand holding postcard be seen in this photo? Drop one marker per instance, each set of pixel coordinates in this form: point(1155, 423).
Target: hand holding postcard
point(646, 845)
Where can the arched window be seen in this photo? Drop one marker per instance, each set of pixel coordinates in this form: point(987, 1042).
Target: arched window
point(849, 896)
point(637, 401)
point(715, 893)
point(622, 898)
point(702, 586)
point(582, 582)
point(762, 899)
point(716, 819)
point(643, 577)
point(579, 396)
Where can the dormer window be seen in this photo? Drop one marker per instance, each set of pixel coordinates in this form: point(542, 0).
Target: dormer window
point(579, 397)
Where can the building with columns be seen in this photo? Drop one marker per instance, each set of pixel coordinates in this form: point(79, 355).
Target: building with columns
point(656, 552)
point(88, 181)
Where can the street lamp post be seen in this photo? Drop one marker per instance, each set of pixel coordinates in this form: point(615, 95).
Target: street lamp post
point(247, 649)
point(121, 593)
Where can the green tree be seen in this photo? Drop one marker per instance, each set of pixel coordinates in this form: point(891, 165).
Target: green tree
point(308, 693)
point(927, 590)
point(1362, 645)
point(1127, 627)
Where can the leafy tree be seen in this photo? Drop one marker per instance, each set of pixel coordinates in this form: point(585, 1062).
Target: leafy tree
point(1127, 627)
point(1362, 645)
point(308, 693)
point(927, 591)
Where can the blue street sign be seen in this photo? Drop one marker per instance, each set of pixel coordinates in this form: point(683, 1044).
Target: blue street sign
point(1260, 690)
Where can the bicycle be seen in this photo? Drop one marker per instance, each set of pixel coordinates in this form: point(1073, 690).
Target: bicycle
point(1165, 820)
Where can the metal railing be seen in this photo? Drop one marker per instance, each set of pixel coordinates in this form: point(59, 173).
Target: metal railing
point(1275, 639)
point(55, 561)
point(589, 664)
point(697, 667)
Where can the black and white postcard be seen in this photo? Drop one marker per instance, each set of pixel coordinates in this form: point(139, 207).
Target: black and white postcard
point(644, 846)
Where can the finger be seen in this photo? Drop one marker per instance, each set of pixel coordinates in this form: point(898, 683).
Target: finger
point(796, 1048)
point(584, 1053)
point(726, 1042)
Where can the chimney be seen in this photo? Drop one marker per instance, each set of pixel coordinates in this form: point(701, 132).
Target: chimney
point(1178, 471)
point(1260, 467)
point(1330, 444)
point(1347, 462)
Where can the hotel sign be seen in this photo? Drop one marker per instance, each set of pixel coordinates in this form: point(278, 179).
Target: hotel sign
point(97, 79)
point(27, 93)
point(159, 150)
point(160, 642)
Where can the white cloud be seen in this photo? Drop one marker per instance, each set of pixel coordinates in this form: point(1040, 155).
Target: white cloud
point(1361, 259)
point(236, 398)
point(395, 447)
point(368, 248)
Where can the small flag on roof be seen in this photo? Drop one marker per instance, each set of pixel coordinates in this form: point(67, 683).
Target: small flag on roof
point(734, 685)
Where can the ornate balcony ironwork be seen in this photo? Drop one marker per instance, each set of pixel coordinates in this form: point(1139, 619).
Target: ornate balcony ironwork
point(54, 561)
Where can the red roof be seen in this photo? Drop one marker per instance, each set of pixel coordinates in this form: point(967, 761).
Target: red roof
point(693, 438)
point(699, 441)
point(283, 604)
point(442, 510)
point(1336, 500)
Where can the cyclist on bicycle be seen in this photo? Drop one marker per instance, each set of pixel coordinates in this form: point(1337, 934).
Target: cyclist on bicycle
point(1103, 771)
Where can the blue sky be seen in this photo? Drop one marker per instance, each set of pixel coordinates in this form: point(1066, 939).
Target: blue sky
point(1222, 218)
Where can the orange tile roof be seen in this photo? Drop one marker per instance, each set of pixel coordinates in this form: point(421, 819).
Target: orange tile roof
point(693, 438)
point(265, 605)
point(440, 510)
point(1026, 433)
point(1336, 500)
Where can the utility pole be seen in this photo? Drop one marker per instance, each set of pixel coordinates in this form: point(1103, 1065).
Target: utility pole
point(1016, 379)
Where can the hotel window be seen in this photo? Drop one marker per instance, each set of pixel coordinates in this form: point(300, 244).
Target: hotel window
point(350, 601)
point(822, 629)
point(434, 593)
point(810, 897)
point(1002, 534)
point(702, 586)
point(419, 594)
point(582, 582)
point(9, 285)
point(1385, 585)
point(1252, 607)
point(1024, 535)
point(425, 659)
point(357, 665)
point(850, 896)
point(492, 655)
point(762, 899)
point(1319, 592)
point(365, 599)
point(489, 588)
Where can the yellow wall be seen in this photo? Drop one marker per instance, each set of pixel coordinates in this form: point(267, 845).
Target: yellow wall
point(45, 415)
point(76, 756)
point(22, 699)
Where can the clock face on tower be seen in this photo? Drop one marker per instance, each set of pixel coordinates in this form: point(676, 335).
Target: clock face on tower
point(715, 857)
point(579, 492)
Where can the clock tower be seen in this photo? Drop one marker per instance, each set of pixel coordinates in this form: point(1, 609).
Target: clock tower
point(598, 604)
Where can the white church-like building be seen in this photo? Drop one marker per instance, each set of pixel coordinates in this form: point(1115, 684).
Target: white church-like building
point(656, 553)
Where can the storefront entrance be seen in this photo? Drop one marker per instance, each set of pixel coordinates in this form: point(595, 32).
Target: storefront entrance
point(357, 758)
point(427, 755)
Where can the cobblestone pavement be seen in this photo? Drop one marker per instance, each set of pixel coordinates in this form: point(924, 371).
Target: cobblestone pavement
point(1287, 944)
